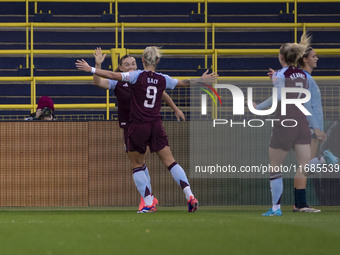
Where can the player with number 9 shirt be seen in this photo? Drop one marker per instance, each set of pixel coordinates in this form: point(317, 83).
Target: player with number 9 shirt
point(146, 128)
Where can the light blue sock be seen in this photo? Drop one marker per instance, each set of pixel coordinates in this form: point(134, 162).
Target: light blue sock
point(179, 175)
point(146, 171)
point(141, 182)
point(276, 187)
point(181, 179)
point(315, 161)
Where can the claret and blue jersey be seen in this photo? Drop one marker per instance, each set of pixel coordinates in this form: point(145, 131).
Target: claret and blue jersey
point(289, 76)
point(146, 98)
point(122, 91)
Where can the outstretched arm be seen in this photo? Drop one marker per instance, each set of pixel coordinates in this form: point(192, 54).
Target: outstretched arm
point(264, 105)
point(99, 82)
point(183, 83)
point(82, 65)
point(206, 78)
point(179, 114)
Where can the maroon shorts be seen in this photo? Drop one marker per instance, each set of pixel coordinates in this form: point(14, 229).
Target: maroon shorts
point(141, 135)
point(286, 137)
point(125, 137)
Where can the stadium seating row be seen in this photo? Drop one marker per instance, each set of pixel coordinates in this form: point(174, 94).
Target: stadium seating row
point(169, 12)
point(138, 38)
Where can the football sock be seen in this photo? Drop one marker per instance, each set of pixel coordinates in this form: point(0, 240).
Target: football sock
point(300, 198)
point(276, 187)
point(146, 171)
point(141, 182)
point(187, 192)
point(148, 200)
point(316, 161)
point(180, 177)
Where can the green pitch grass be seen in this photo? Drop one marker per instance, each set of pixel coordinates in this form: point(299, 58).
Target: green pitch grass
point(211, 230)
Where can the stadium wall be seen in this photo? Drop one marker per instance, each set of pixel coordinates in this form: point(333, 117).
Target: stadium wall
point(81, 164)
point(75, 164)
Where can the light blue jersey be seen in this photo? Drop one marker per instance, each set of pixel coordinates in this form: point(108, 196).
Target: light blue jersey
point(314, 106)
point(112, 84)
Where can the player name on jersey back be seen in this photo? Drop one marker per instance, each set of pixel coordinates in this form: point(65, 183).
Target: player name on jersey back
point(152, 80)
point(297, 75)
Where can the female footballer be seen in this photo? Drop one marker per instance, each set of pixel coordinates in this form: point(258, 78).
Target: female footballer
point(285, 138)
point(307, 63)
point(146, 128)
point(122, 92)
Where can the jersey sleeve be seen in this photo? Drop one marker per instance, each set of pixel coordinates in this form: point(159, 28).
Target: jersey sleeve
point(316, 104)
point(310, 118)
point(112, 84)
point(279, 82)
point(265, 104)
point(131, 77)
point(170, 82)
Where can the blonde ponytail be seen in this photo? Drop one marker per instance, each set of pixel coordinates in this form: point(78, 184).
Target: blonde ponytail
point(151, 55)
point(292, 52)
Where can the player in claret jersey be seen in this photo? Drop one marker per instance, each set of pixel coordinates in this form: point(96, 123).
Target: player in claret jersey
point(285, 138)
point(146, 128)
point(122, 91)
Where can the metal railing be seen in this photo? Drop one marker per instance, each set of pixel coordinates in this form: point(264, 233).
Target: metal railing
point(214, 53)
point(114, 3)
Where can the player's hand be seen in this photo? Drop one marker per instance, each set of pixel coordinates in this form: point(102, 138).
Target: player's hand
point(179, 115)
point(209, 78)
point(320, 135)
point(254, 105)
point(98, 56)
point(271, 73)
point(82, 65)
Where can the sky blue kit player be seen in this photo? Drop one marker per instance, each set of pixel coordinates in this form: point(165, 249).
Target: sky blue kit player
point(308, 62)
point(314, 106)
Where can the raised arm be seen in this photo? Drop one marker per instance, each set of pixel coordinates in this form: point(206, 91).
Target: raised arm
point(179, 114)
point(82, 65)
point(99, 58)
point(278, 83)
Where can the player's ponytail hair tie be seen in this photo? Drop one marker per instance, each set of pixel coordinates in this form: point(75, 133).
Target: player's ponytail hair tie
point(151, 55)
